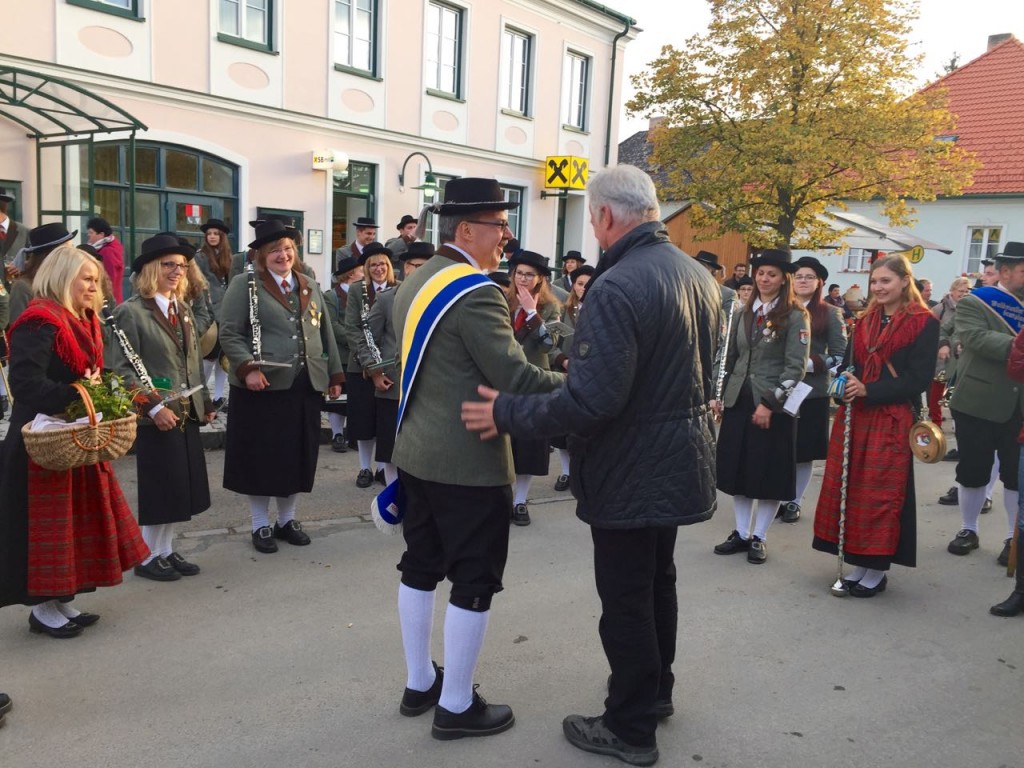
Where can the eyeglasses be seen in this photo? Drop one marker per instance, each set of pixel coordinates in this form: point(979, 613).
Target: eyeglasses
point(286, 249)
point(525, 275)
point(502, 225)
point(805, 278)
point(173, 266)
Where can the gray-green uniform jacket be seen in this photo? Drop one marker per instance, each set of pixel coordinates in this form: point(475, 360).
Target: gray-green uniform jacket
point(335, 305)
point(537, 343)
point(166, 352)
point(382, 331)
point(765, 360)
point(21, 295)
point(294, 330)
point(826, 352)
point(473, 344)
point(355, 324)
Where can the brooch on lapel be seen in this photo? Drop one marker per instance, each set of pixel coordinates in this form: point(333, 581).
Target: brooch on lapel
point(314, 314)
point(769, 332)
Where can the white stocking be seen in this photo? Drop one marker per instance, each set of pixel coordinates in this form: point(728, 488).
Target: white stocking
point(743, 506)
point(416, 616)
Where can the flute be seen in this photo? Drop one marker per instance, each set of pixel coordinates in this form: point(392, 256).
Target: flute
point(130, 354)
point(254, 314)
point(725, 353)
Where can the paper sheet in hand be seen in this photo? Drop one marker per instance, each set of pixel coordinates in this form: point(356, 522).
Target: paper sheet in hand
point(180, 395)
point(560, 328)
point(268, 364)
point(796, 397)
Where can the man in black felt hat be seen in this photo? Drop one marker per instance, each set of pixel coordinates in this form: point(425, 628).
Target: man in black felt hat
point(987, 405)
point(406, 236)
point(366, 233)
point(457, 489)
point(41, 242)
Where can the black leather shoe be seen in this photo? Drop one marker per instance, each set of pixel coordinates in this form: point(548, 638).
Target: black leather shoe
point(735, 543)
point(986, 507)
point(157, 569)
point(1004, 556)
point(758, 551)
point(520, 515)
point(951, 498)
point(338, 444)
point(292, 533)
point(5, 706)
point(1011, 606)
point(263, 540)
point(859, 590)
point(364, 479)
point(86, 619)
point(591, 735)
point(952, 455)
point(964, 542)
point(181, 565)
point(562, 483)
point(379, 477)
point(790, 512)
point(481, 719)
point(63, 632)
point(417, 702)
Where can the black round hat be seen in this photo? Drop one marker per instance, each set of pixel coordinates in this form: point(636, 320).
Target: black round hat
point(470, 195)
point(773, 257)
point(531, 259)
point(709, 259)
point(811, 263)
point(270, 230)
point(47, 237)
point(215, 224)
point(372, 249)
point(417, 250)
point(161, 245)
point(346, 264)
point(586, 269)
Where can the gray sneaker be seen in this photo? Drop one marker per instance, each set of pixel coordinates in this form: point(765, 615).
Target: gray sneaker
point(591, 735)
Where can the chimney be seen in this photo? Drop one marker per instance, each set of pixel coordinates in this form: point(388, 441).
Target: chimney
point(994, 40)
point(654, 122)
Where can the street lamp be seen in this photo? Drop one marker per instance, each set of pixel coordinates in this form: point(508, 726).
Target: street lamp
point(429, 185)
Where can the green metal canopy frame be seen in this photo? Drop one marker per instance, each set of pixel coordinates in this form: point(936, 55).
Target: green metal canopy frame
point(57, 113)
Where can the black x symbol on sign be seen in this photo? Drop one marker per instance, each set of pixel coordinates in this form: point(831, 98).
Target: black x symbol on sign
point(557, 171)
point(579, 172)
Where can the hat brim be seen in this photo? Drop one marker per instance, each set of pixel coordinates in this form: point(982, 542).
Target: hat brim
point(453, 209)
point(713, 264)
point(208, 227)
point(768, 261)
point(181, 250)
point(288, 232)
point(51, 244)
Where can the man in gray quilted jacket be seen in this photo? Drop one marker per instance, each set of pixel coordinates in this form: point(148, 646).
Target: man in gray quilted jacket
point(634, 404)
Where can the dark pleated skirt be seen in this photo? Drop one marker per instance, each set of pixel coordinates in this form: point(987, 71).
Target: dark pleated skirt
point(754, 462)
point(171, 468)
point(273, 440)
point(530, 457)
point(812, 430)
point(387, 421)
point(362, 407)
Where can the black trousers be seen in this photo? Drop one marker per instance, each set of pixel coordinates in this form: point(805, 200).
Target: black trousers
point(978, 440)
point(636, 581)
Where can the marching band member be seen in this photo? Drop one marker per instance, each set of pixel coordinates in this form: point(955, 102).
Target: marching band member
point(282, 356)
point(893, 356)
point(766, 356)
point(79, 516)
point(378, 275)
point(346, 272)
point(531, 305)
point(214, 260)
point(828, 344)
point(160, 328)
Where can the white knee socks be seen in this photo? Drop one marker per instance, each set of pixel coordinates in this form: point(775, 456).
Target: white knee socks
point(522, 489)
point(259, 509)
point(803, 479)
point(158, 538)
point(49, 614)
point(337, 421)
point(971, 501)
point(463, 638)
point(286, 508)
point(563, 457)
point(416, 616)
point(365, 452)
point(993, 478)
point(766, 509)
point(1011, 499)
point(390, 473)
point(220, 378)
point(743, 506)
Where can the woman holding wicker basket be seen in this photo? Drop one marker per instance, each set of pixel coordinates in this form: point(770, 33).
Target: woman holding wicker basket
point(62, 532)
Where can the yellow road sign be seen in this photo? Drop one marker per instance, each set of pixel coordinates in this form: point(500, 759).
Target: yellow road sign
point(915, 254)
point(565, 172)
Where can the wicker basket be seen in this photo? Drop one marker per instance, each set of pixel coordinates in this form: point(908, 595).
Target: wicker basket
point(78, 446)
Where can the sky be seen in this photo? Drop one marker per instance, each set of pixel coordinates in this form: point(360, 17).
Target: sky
point(943, 27)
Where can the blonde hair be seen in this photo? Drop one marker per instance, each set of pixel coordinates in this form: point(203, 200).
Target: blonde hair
point(390, 279)
point(59, 271)
point(147, 280)
point(959, 282)
point(545, 296)
point(897, 264)
point(197, 282)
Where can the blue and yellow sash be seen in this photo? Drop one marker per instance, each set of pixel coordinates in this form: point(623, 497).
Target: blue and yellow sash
point(435, 298)
point(1006, 306)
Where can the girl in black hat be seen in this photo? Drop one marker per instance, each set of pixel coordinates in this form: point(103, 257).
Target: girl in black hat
point(378, 275)
point(766, 357)
point(828, 344)
point(531, 305)
point(214, 260)
point(346, 273)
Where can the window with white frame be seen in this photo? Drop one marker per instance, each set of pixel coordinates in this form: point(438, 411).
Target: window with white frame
point(444, 49)
point(516, 49)
point(856, 260)
point(355, 34)
point(515, 215)
point(576, 77)
point(430, 229)
point(246, 20)
point(982, 243)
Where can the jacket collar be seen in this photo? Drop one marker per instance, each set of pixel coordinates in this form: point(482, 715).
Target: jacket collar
point(274, 288)
point(644, 234)
point(163, 322)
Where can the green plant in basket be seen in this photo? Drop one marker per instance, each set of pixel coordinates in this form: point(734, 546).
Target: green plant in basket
point(109, 396)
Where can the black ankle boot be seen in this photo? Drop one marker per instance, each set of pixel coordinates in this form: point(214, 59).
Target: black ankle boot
point(1014, 604)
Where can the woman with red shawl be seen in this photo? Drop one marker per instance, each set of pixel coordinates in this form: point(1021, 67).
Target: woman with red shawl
point(893, 358)
point(61, 532)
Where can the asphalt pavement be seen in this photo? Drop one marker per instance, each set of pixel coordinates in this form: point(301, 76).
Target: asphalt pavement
point(295, 658)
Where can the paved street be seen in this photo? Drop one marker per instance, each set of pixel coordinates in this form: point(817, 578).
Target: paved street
point(295, 659)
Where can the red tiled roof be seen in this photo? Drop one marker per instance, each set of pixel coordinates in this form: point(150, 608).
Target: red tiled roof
point(987, 96)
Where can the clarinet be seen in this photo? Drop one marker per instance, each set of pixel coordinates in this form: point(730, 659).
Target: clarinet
point(130, 354)
point(254, 313)
point(364, 321)
point(725, 351)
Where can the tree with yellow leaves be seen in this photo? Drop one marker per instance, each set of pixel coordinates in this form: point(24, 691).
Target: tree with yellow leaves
point(786, 107)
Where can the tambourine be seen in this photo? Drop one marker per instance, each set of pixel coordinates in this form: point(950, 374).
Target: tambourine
point(927, 442)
